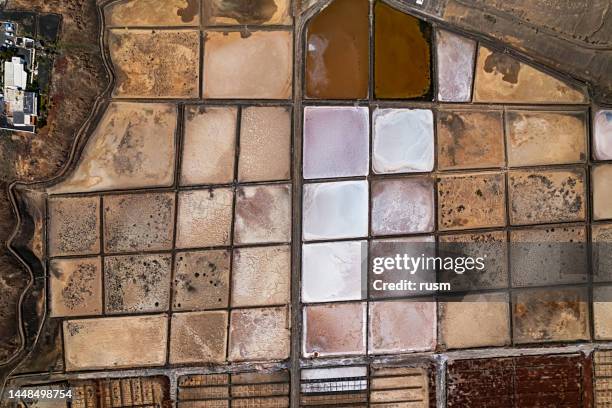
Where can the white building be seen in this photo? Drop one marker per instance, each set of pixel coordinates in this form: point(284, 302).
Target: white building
point(22, 107)
point(19, 108)
point(15, 75)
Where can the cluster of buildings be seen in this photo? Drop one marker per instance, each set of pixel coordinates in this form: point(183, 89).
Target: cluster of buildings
point(18, 103)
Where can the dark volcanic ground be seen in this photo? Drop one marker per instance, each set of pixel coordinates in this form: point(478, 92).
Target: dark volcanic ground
point(12, 281)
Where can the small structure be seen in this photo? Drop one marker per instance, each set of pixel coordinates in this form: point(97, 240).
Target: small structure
point(20, 109)
point(15, 75)
point(26, 50)
point(18, 106)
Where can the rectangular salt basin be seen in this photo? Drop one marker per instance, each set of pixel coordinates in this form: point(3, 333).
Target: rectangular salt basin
point(259, 334)
point(475, 321)
point(336, 142)
point(336, 372)
point(338, 51)
point(601, 182)
point(401, 326)
point(265, 144)
point(257, 66)
point(115, 342)
point(115, 160)
point(470, 139)
point(75, 287)
point(209, 144)
point(334, 329)
point(456, 57)
point(335, 210)
point(261, 276)
point(332, 271)
point(403, 141)
point(545, 138)
point(403, 206)
point(602, 135)
point(501, 78)
point(550, 315)
point(73, 226)
point(414, 247)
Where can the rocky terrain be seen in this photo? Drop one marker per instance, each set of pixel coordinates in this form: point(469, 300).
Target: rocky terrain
point(78, 78)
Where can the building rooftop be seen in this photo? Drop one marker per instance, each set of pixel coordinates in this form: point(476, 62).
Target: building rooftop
point(18, 118)
point(30, 103)
point(15, 74)
point(19, 108)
